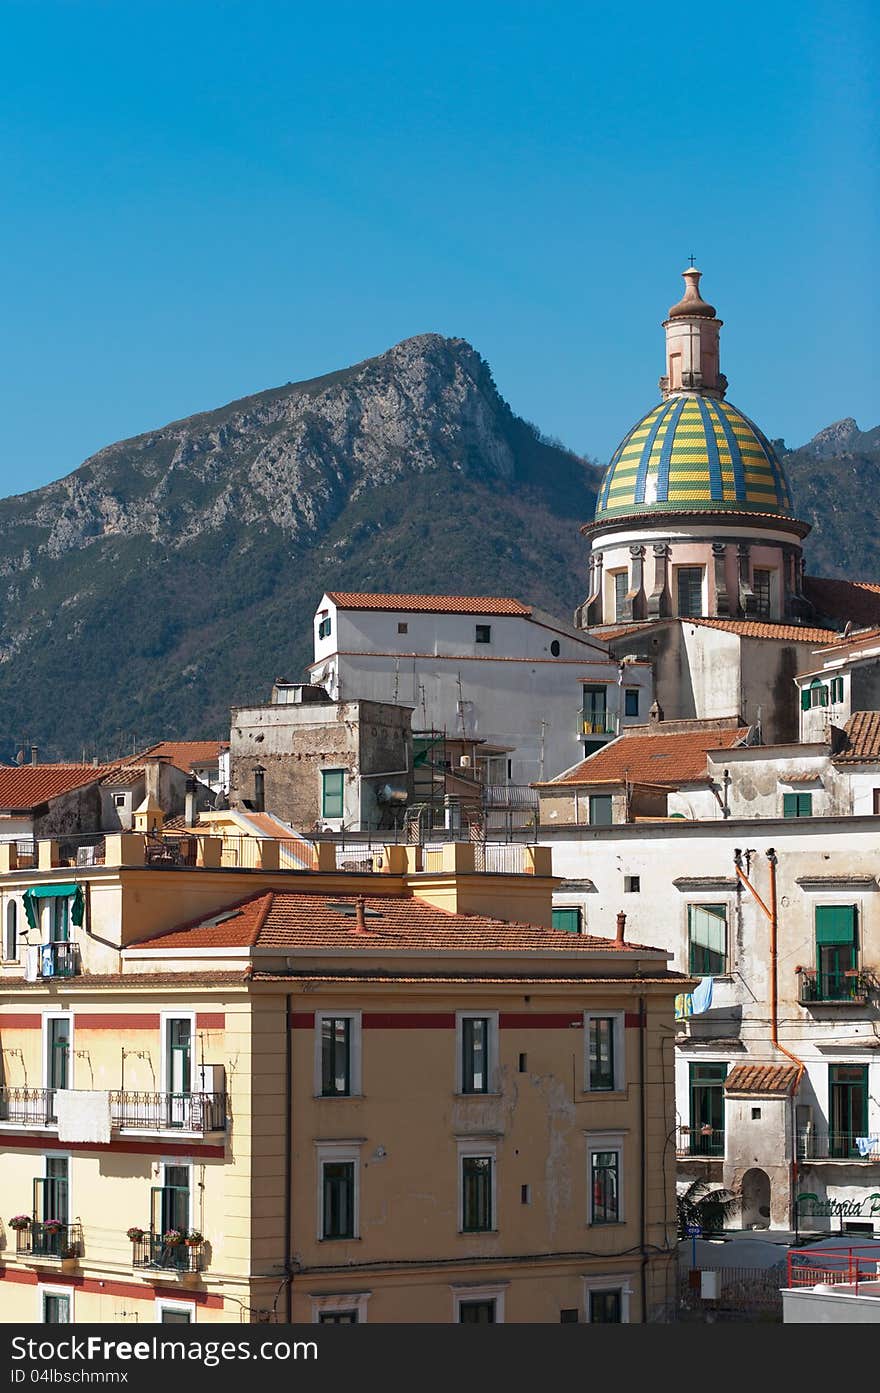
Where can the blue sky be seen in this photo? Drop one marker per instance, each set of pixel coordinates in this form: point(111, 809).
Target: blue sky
point(204, 200)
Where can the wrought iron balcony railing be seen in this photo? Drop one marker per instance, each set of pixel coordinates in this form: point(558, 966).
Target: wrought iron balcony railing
point(157, 1112)
point(153, 1251)
point(191, 1112)
point(838, 1146)
point(49, 1240)
point(700, 1141)
point(59, 959)
point(597, 723)
point(849, 988)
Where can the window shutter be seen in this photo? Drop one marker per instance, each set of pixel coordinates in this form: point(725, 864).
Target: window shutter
point(835, 923)
point(805, 699)
point(789, 805)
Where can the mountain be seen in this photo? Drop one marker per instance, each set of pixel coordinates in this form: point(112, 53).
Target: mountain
point(835, 479)
point(176, 573)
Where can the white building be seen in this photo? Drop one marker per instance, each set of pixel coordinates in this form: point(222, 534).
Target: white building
point(534, 691)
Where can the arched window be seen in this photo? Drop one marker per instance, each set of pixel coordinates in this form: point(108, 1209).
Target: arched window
point(11, 943)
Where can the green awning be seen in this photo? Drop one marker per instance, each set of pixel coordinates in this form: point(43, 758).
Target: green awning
point(54, 892)
point(835, 923)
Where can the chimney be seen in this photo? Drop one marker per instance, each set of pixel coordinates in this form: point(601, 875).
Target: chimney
point(621, 926)
point(190, 807)
point(34, 754)
point(656, 713)
point(151, 779)
point(360, 921)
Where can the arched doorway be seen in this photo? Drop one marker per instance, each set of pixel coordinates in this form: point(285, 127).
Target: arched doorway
point(756, 1199)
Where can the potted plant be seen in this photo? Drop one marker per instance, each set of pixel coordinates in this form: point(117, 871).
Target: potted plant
point(19, 1222)
point(193, 1239)
point(172, 1238)
point(53, 1226)
point(135, 1234)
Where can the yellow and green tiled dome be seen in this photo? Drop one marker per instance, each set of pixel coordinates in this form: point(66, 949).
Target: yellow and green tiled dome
point(693, 454)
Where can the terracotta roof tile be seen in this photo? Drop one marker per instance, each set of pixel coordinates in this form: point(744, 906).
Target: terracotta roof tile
point(26, 786)
point(761, 1078)
point(183, 754)
point(666, 760)
point(679, 978)
point(862, 739)
point(430, 604)
point(747, 628)
point(123, 775)
point(287, 921)
point(856, 600)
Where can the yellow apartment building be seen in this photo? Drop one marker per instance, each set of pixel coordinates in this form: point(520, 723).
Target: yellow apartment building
point(325, 1095)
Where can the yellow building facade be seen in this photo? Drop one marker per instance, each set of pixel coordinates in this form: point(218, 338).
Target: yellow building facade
point(260, 1095)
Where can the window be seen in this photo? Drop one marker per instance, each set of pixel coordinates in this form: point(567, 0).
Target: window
point(604, 1052)
point(477, 1046)
point(568, 920)
point(570, 1316)
point(706, 1136)
point(847, 1108)
point(119, 800)
point(325, 627)
point(761, 589)
point(10, 941)
point(476, 1312)
point(483, 633)
point(797, 805)
point(403, 627)
point(175, 1312)
point(837, 689)
point(177, 1038)
point(338, 1318)
point(170, 1208)
point(56, 1307)
point(632, 884)
point(690, 591)
point(332, 792)
point(621, 586)
point(814, 695)
point(338, 1054)
point(631, 701)
point(604, 1186)
point(600, 810)
point(707, 939)
point(57, 1041)
point(338, 1180)
point(595, 711)
point(59, 919)
point(605, 1307)
point(601, 1047)
point(477, 1185)
point(51, 1201)
point(836, 952)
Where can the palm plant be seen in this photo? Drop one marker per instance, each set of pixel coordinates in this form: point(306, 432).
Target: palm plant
point(704, 1206)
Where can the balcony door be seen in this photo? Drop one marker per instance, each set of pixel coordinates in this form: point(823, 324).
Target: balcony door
point(57, 1059)
point(836, 952)
point(178, 1069)
point(595, 710)
point(847, 1108)
point(51, 1203)
point(707, 1109)
point(170, 1211)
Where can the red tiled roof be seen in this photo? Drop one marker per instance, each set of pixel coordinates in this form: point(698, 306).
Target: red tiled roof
point(288, 921)
point(183, 754)
point(747, 628)
point(857, 600)
point(26, 786)
point(862, 739)
point(430, 604)
point(123, 775)
point(761, 1078)
point(651, 759)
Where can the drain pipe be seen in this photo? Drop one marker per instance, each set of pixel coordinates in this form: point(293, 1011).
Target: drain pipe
point(643, 1124)
point(773, 918)
point(288, 1154)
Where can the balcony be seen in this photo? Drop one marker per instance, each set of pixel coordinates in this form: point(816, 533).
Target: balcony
point(705, 1141)
point(848, 1269)
point(153, 1251)
point(50, 1241)
point(597, 723)
point(58, 959)
point(838, 1146)
point(849, 988)
point(151, 1112)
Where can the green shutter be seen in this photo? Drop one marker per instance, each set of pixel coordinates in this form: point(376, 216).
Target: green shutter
point(789, 805)
point(332, 801)
point(568, 920)
point(806, 701)
point(835, 923)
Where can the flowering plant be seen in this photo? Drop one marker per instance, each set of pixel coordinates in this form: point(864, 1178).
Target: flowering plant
point(19, 1221)
point(135, 1234)
point(193, 1238)
point(171, 1237)
point(53, 1225)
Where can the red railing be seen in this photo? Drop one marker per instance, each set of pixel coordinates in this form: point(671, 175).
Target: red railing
point(837, 1267)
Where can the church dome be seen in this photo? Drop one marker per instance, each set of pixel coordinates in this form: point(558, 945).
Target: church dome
point(693, 454)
